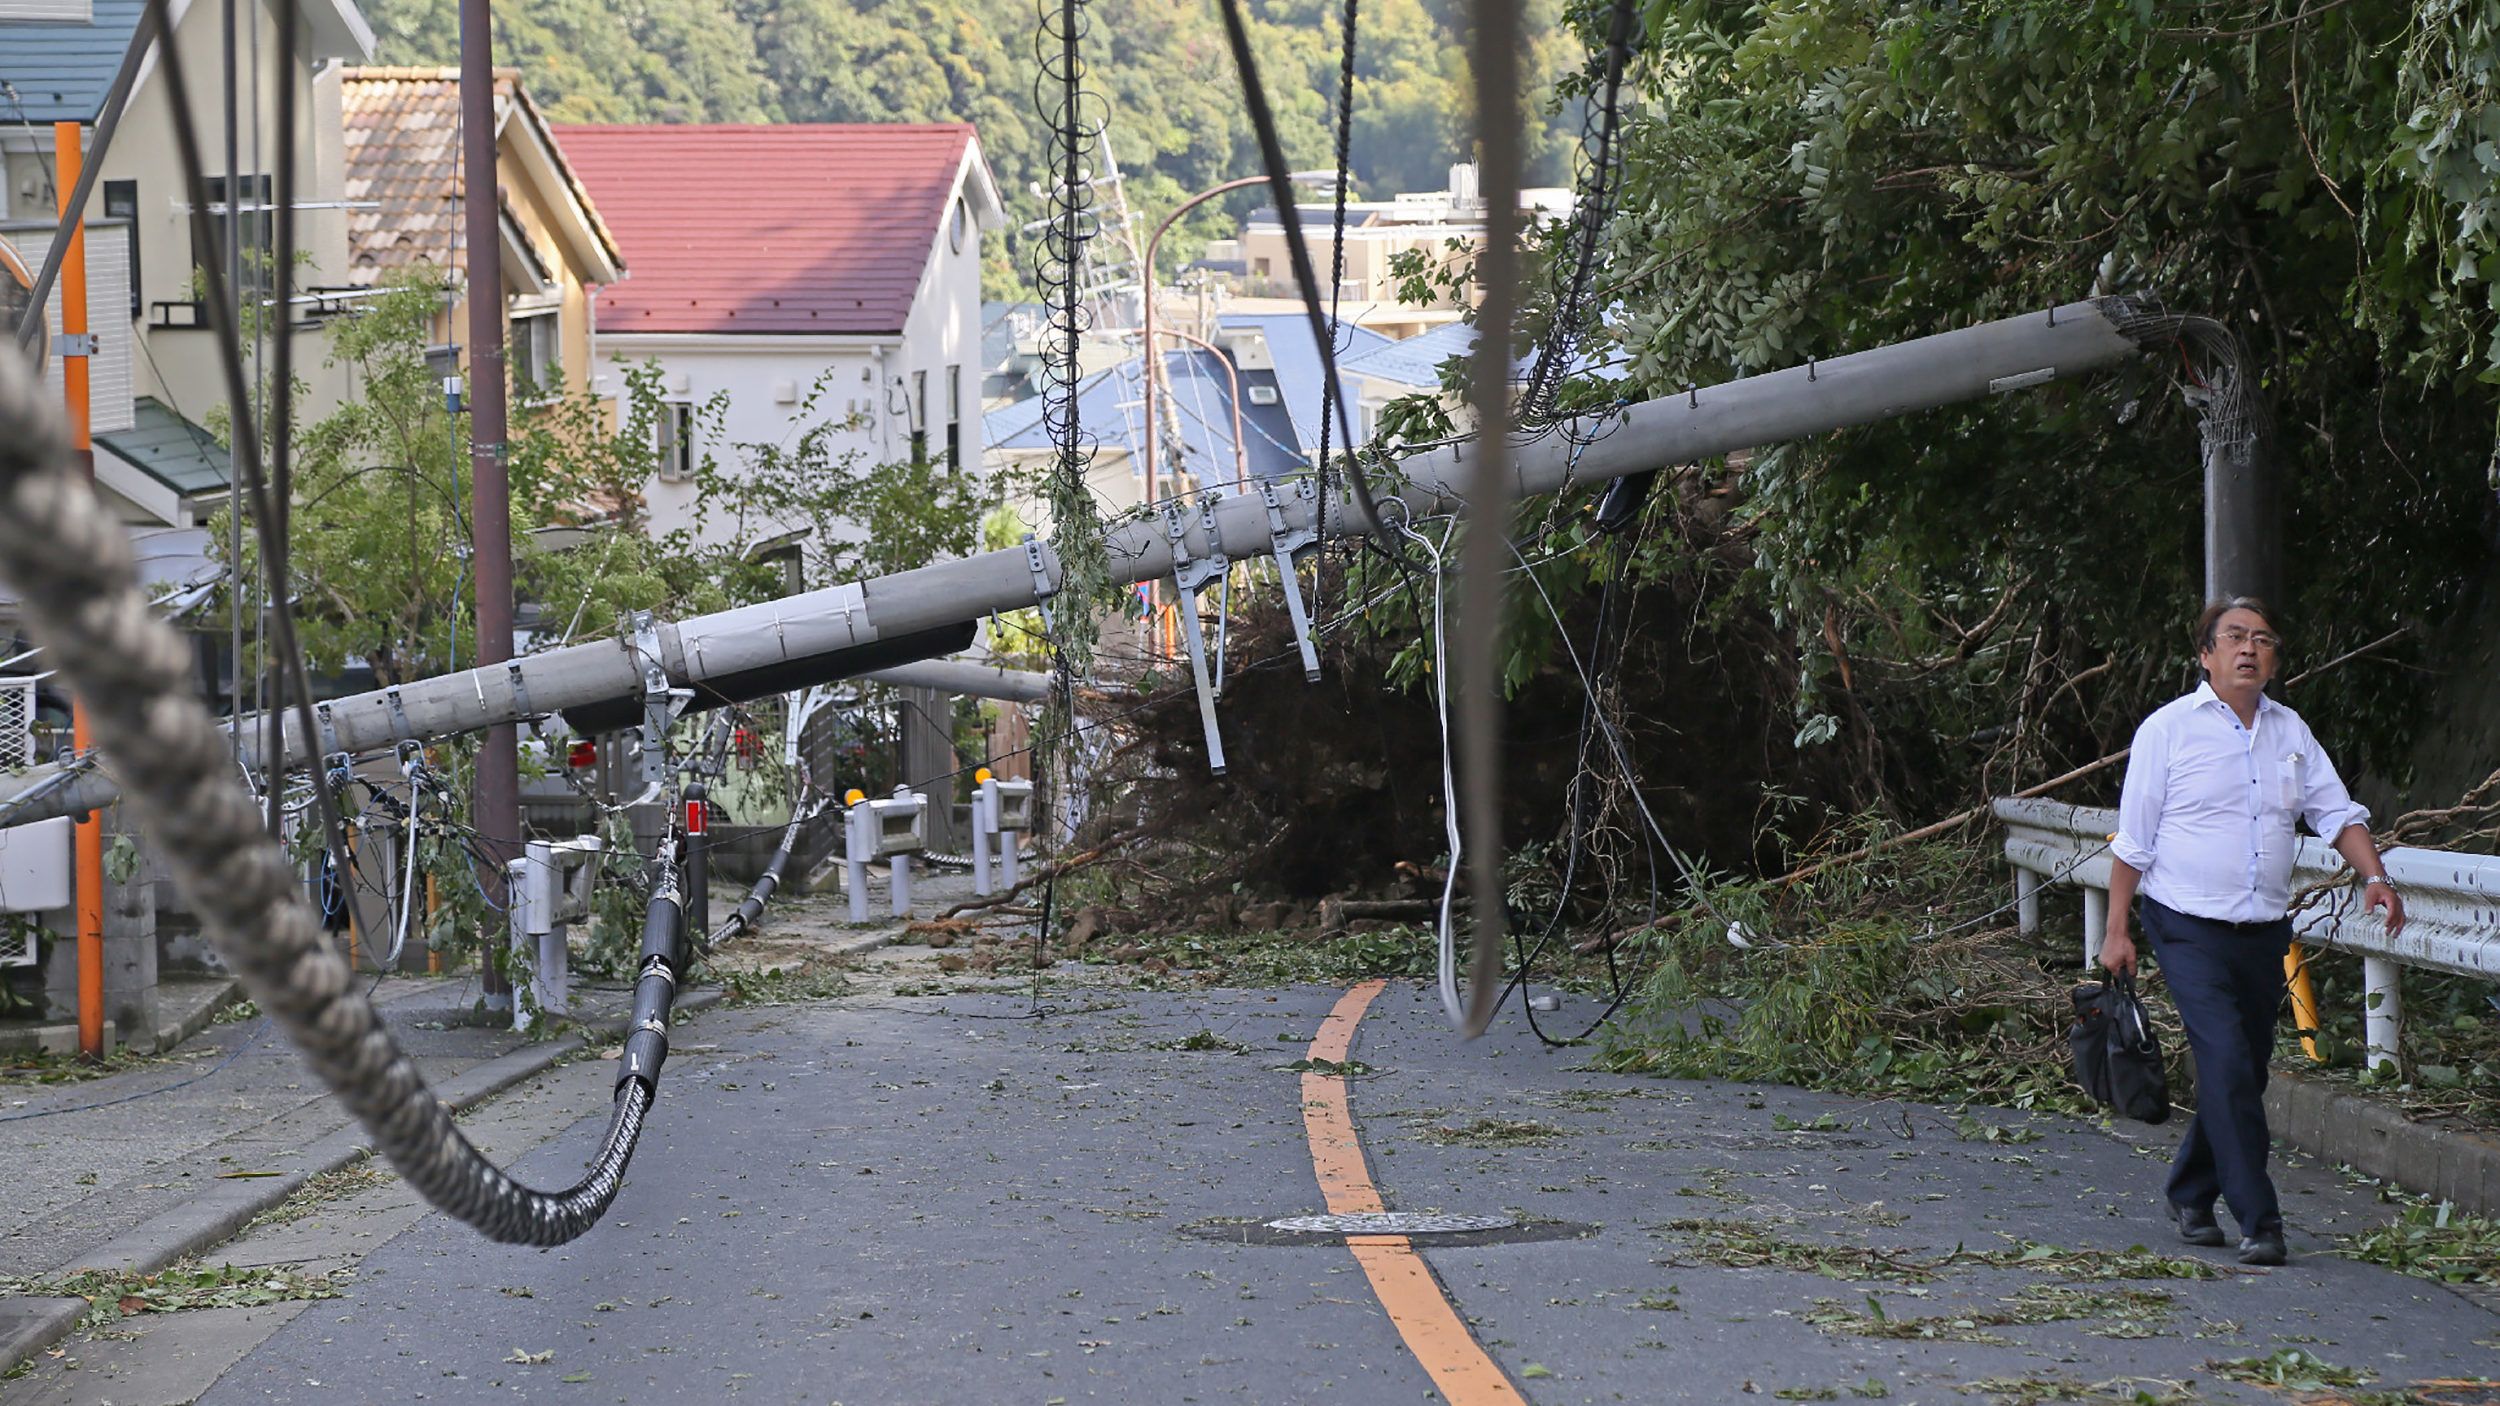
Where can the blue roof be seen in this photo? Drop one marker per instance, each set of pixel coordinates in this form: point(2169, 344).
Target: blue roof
point(1417, 360)
point(1110, 410)
point(61, 71)
point(1300, 376)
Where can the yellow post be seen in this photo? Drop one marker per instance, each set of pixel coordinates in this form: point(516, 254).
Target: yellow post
point(87, 867)
point(2304, 999)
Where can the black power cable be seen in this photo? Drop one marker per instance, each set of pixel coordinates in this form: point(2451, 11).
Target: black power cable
point(1280, 182)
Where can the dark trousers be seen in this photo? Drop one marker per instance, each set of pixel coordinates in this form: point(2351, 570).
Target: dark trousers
point(2227, 980)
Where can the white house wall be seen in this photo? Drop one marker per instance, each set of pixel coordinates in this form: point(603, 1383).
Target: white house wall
point(870, 375)
point(748, 371)
point(181, 368)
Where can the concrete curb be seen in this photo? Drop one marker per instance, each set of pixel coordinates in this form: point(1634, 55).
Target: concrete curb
point(200, 1017)
point(28, 1326)
point(2371, 1137)
point(225, 1206)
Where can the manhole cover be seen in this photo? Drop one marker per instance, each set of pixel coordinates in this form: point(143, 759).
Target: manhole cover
point(1392, 1223)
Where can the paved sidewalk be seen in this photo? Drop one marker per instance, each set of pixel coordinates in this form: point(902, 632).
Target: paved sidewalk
point(136, 1169)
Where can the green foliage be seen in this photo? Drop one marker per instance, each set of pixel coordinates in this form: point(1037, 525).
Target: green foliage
point(858, 522)
point(2433, 1242)
point(2290, 1369)
point(1889, 977)
point(189, 1284)
point(1808, 179)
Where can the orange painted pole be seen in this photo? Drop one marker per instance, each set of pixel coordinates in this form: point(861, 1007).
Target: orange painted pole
point(88, 855)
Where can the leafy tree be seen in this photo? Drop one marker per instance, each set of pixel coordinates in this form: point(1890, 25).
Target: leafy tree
point(1806, 179)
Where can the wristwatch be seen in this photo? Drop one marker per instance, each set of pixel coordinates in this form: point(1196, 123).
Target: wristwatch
point(2381, 879)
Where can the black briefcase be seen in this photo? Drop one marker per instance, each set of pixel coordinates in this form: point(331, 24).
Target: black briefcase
point(2117, 1060)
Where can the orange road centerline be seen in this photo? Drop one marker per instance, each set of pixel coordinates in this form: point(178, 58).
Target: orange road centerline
point(1414, 1300)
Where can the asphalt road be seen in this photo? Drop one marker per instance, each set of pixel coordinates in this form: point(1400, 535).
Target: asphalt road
point(924, 1200)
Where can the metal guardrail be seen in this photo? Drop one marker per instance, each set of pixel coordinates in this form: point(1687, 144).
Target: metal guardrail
point(2452, 903)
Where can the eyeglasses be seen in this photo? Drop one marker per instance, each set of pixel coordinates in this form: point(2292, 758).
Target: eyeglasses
point(2233, 637)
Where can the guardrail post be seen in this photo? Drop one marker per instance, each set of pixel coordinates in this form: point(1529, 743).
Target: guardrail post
point(2383, 1012)
point(2026, 902)
point(2095, 924)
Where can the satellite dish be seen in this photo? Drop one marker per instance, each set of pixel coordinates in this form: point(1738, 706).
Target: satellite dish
point(17, 294)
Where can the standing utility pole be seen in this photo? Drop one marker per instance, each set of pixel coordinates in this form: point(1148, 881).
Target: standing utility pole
point(496, 800)
point(77, 347)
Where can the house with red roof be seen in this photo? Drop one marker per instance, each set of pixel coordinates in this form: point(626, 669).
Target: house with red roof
point(772, 264)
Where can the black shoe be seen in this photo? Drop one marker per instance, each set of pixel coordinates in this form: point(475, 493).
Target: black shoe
point(2264, 1247)
point(2197, 1227)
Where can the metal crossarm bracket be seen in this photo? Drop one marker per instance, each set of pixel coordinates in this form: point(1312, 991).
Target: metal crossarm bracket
point(1192, 575)
point(399, 714)
point(1289, 541)
point(520, 690)
point(1042, 589)
point(329, 729)
point(659, 702)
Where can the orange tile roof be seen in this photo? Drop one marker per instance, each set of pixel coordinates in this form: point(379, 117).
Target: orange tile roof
point(403, 154)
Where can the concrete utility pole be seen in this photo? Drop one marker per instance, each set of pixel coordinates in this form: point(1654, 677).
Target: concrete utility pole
point(2243, 512)
point(496, 798)
point(864, 626)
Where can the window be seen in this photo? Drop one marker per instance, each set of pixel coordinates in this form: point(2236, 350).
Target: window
point(954, 418)
point(677, 458)
point(959, 226)
point(920, 417)
point(248, 213)
point(535, 372)
point(121, 202)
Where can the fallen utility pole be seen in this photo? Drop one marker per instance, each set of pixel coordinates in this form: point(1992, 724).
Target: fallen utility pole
point(858, 627)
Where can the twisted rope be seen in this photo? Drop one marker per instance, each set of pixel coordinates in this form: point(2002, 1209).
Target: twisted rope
point(72, 563)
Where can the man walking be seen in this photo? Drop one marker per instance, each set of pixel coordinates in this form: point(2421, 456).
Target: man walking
point(2214, 785)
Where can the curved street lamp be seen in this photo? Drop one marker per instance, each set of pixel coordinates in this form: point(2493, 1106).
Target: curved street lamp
point(1154, 361)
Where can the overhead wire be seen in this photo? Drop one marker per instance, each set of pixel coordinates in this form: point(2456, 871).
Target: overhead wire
point(1280, 184)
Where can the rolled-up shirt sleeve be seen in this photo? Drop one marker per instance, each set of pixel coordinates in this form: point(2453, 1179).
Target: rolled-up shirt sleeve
point(2324, 802)
point(2139, 800)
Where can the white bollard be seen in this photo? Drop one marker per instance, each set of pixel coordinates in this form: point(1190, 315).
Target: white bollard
point(982, 825)
point(2382, 1013)
point(858, 838)
point(2095, 924)
point(2026, 902)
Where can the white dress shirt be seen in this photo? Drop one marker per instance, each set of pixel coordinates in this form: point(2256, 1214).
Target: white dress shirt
point(2206, 815)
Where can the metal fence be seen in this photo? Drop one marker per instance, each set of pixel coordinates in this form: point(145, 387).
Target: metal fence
point(2452, 903)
